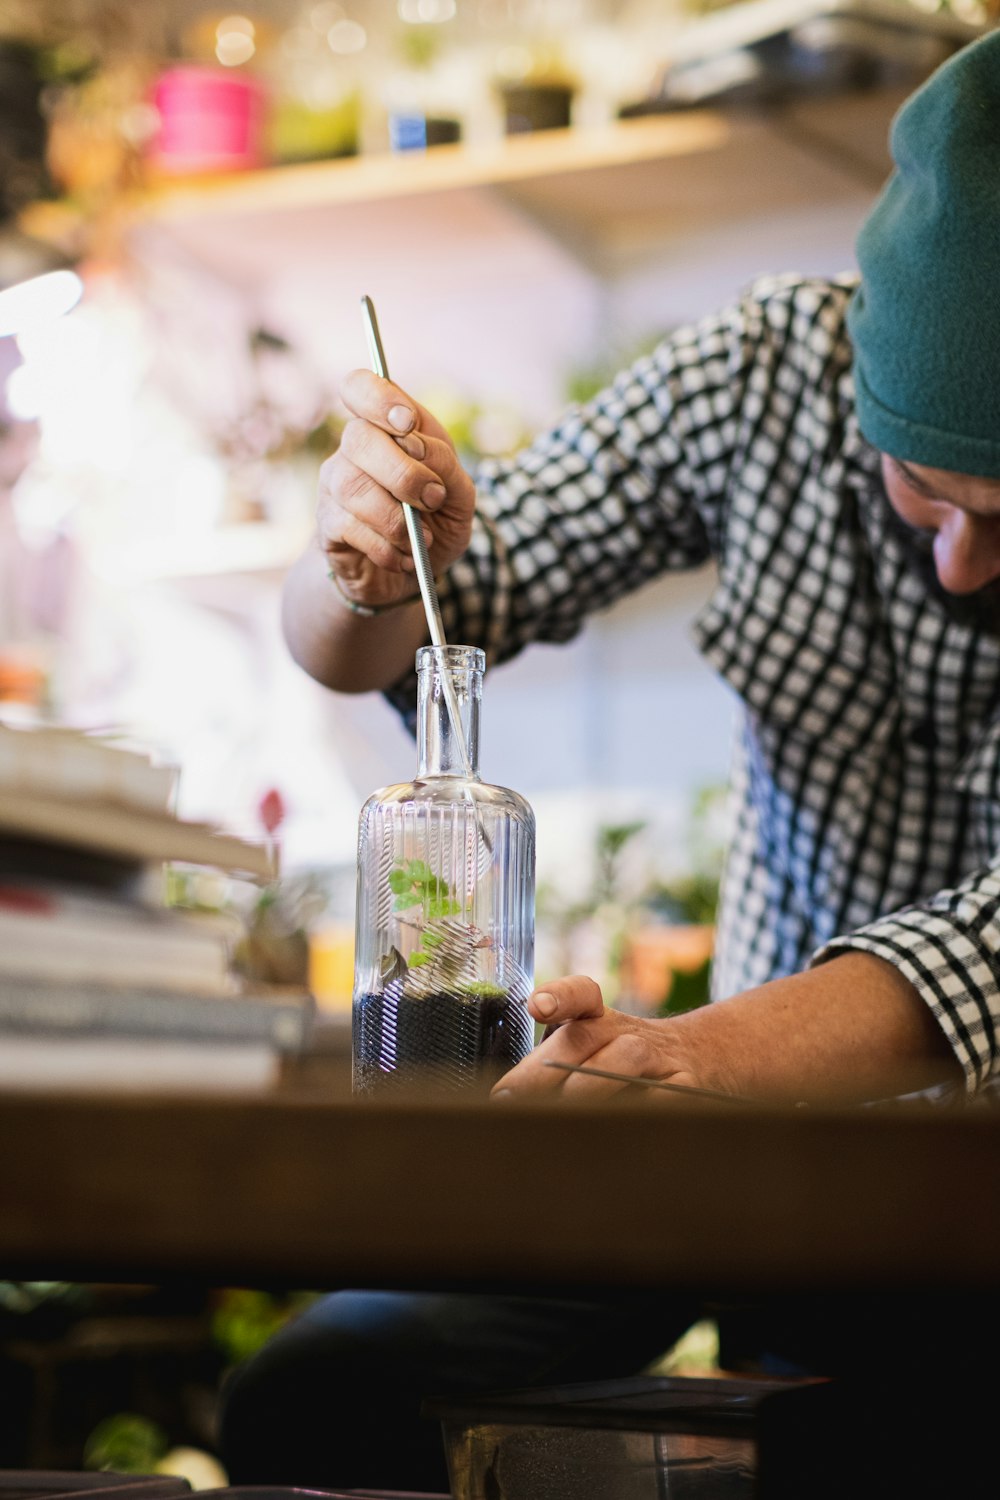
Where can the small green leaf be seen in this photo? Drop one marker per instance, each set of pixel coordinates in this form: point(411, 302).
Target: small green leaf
point(417, 960)
point(444, 906)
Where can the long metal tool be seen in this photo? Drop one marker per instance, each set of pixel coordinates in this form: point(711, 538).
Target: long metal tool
point(418, 546)
point(650, 1083)
point(425, 577)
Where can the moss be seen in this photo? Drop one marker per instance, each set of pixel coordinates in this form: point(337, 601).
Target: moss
point(482, 989)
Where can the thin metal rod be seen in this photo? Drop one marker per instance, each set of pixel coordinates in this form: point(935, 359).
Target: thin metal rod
point(649, 1083)
point(425, 578)
point(418, 546)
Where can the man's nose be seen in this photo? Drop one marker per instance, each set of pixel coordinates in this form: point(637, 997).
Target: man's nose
point(967, 553)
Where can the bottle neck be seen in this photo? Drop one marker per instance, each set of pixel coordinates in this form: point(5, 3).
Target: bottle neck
point(449, 693)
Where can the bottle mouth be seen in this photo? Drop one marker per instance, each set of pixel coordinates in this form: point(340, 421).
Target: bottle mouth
point(451, 659)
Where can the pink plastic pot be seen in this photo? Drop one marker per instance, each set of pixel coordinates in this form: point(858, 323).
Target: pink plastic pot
point(211, 120)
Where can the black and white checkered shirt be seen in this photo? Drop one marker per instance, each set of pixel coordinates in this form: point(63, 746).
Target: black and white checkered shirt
point(868, 765)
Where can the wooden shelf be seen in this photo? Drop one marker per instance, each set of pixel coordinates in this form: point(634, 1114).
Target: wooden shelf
point(513, 159)
point(698, 164)
point(602, 192)
point(578, 152)
point(610, 197)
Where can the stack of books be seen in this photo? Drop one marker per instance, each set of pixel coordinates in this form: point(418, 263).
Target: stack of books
point(102, 984)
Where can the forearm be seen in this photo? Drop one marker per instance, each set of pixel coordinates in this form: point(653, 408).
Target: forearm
point(347, 652)
point(849, 1030)
point(846, 1032)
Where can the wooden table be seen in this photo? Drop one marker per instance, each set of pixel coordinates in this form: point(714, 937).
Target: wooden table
point(301, 1188)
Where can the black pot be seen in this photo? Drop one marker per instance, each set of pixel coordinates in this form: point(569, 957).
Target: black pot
point(536, 106)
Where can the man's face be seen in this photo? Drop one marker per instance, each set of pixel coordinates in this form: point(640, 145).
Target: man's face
point(949, 526)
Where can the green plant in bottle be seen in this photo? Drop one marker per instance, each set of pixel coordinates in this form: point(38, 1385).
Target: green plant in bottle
point(444, 949)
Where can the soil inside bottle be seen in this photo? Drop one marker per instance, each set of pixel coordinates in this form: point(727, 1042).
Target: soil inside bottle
point(452, 1041)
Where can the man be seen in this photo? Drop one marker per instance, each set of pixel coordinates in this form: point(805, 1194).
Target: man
point(835, 449)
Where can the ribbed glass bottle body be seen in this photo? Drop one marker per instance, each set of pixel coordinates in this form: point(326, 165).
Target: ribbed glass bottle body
point(444, 946)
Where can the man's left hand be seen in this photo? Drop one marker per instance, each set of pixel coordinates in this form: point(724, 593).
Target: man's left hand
point(581, 1031)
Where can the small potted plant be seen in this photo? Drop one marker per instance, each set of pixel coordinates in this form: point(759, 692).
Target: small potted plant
point(537, 92)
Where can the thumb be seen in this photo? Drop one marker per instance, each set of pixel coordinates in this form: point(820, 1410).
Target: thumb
point(575, 998)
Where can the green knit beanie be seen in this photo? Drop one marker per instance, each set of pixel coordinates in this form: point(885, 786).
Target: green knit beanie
point(925, 321)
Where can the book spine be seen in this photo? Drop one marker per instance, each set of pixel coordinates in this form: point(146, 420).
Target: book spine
point(100, 1012)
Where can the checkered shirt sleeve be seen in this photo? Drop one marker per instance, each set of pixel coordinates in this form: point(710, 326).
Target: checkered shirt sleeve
point(948, 947)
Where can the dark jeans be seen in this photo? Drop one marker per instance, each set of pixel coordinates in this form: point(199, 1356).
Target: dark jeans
point(334, 1399)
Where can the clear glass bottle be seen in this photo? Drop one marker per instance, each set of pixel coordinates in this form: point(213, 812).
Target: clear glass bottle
point(445, 922)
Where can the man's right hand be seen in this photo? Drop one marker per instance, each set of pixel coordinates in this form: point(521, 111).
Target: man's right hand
point(392, 449)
